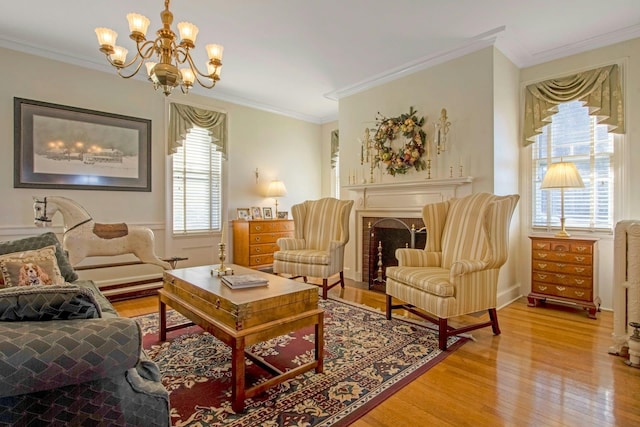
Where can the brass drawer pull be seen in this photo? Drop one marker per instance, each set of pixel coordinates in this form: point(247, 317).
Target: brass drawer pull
point(560, 288)
point(561, 276)
point(578, 293)
point(542, 266)
point(257, 249)
point(579, 281)
point(542, 288)
point(542, 276)
point(581, 248)
point(258, 238)
point(561, 265)
point(541, 245)
point(542, 255)
point(258, 228)
point(579, 258)
point(580, 269)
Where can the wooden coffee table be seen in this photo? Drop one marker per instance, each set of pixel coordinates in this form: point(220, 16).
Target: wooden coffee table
point(243, 317)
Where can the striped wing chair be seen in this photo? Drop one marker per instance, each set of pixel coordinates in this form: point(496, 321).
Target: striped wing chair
point(457, 272)
point(317, 248)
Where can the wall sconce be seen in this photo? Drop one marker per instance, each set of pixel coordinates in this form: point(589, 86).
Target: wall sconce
point(276, 189)
point(441, 128)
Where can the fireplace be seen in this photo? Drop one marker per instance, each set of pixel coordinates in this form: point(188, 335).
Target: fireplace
point(393, 207)
point(380, 239)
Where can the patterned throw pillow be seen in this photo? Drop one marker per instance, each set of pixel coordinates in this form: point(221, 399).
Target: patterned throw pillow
point(31, 268)
point(36, 242)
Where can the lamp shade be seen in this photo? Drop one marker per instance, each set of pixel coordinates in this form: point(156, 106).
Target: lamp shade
point(562, 175)
point(276, 189)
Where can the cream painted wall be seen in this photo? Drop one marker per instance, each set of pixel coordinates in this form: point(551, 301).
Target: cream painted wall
point(506, 154)
point(465, 87)
point(278, 146)
point(327, 175)
point(627, 53)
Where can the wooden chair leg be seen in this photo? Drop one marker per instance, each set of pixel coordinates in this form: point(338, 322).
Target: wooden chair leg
point(342, 280)
point(304, 278)
point(388, 307)
point(493, 315)
point(442, 334)
point(324, 288)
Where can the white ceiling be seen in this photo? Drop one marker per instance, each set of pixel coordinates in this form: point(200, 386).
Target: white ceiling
point(296, 57)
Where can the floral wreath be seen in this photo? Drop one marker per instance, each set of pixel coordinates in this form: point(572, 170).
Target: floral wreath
point(407, 157)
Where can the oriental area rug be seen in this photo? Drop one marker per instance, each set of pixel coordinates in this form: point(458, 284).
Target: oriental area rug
point(366, 359)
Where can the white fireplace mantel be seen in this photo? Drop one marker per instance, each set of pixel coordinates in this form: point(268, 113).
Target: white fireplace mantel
point(408, 196)
point(401, 199)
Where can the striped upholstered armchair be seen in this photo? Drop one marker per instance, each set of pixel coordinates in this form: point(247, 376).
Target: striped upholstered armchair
point(457, 272)
point(317, 248)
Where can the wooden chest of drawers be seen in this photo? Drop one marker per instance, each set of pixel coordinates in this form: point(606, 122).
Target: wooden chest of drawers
point(565, 269)
point(254, 242)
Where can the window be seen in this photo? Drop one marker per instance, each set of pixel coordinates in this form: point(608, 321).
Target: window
point(574, 136)
point(197, 184)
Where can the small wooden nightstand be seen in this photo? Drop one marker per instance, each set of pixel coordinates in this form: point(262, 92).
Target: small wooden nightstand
point(565, 269)
point(254, 242)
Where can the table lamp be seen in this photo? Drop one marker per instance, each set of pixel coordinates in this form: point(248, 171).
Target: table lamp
point(562, 175)
point(276, 189)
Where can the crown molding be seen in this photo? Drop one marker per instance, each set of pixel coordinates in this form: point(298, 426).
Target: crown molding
point(104, 67)
point(613, 37)
point(471, 45)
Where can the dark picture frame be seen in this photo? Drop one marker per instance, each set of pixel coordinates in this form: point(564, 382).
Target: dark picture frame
point(267, 213)
point(63, 147)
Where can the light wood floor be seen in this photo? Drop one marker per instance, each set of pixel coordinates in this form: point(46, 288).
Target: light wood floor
point(549, 367)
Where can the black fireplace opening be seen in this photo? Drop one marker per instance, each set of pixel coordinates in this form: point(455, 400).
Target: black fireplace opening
point(385, 235)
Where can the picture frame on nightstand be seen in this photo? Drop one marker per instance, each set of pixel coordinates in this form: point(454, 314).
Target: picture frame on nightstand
point(267, 213)
point(283, 214)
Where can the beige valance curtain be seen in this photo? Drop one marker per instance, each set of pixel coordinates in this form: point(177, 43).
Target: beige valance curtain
point(335, 147)
point(184, 117)
point(598, 89)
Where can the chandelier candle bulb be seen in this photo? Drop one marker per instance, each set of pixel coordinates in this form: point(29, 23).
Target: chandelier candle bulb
point(106, 38)
point(187, 76)
point(188, 32)
point(119, 55)
point(214, 51)
point(138, 24)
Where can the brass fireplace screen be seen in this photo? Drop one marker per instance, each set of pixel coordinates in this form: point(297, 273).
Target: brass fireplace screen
point(381, 238)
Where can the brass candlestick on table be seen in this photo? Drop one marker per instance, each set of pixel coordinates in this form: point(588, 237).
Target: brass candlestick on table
point(221, 269)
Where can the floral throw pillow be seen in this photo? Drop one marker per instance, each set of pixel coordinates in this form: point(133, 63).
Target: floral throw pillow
point(31, 268)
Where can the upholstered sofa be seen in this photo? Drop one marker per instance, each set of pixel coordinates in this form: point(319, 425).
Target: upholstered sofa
point(67, 358)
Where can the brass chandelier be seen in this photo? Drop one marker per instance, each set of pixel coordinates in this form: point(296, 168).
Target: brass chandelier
point(170, 55)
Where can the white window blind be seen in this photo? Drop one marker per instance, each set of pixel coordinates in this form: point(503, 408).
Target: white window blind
point(574, 136)
point(197, 184)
